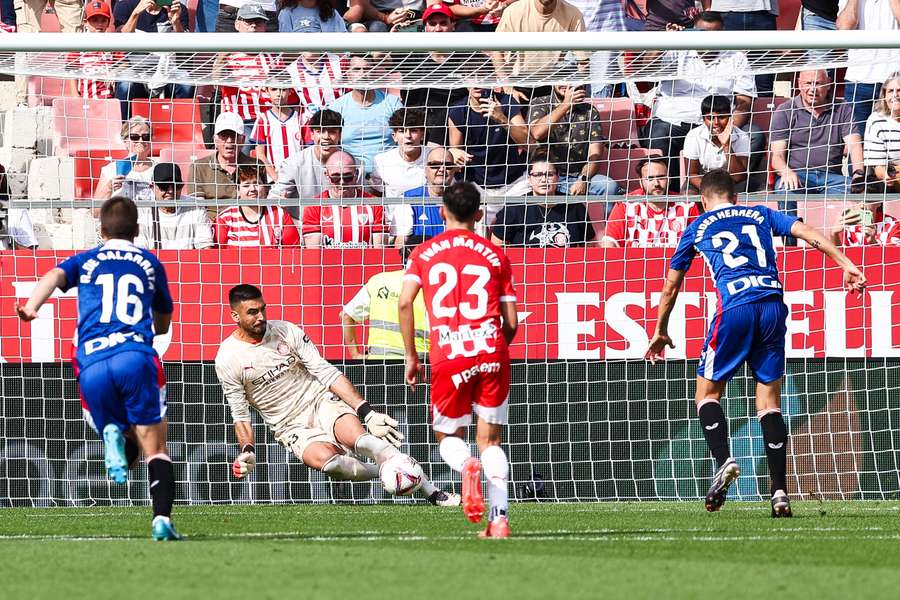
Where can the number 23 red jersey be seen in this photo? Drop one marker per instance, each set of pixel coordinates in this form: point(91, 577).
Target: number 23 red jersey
point(464, 278)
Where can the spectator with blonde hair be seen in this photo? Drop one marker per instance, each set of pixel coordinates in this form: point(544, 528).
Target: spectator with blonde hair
point(133, 175)
point(881, 143)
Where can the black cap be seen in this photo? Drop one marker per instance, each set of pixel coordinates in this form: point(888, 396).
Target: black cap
point(167, 173)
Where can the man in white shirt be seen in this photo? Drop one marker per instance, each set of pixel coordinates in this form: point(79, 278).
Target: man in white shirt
point(402, 168)
point(716, 144)
point(868, 69)
point(172, 227)
point(677, 107)
point(302, 175)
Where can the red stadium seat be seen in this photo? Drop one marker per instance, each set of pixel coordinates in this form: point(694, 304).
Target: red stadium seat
point(175, 121)
point(762, 111)
point(617, 120)
point(86, 124)
point(42, 91)
point(87, 169)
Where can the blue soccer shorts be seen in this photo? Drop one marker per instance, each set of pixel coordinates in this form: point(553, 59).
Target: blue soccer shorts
point(749, 332)
point(128, 388)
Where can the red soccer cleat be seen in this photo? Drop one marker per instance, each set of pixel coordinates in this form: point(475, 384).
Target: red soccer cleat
point(498, 528)
point(472, 497)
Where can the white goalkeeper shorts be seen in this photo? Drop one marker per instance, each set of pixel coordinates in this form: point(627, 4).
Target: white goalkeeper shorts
point(315, 424)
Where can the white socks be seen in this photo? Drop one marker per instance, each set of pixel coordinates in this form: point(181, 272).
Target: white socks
point(496, 471)
point(347, 468)
point(374, 447)
point(455, 452)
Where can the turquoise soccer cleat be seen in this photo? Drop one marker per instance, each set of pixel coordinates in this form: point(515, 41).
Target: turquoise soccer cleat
point(164, 531)
point(116, 463)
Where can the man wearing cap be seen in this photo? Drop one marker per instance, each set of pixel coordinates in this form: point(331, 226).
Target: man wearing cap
point(215, 176)
point(182, 227)
point(260, 15)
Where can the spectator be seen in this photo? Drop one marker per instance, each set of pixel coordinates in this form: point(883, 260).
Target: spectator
point(717, 144)
point(677, 107)
point(548, 224)
point(302, 175)
point(865, 224)
point(490, 128)
point(380, 15)
point(750, 15)
point(601, 16)
point(149, 17)
point(437, 18)
point(7, 16)
point(250, 224)
point(478, 15)
point(868, 68)
point(215, 176)
point(28, 20)
point(376, 303)
point(403, 167)
point(661, 13)
point(181, 227)
point(649, 223)
point(136, 169)
point(351, 226)
point(97, 16)
point(809, 136)
point(366, 114)
point(260, 15)
point(314, 76)
point(881, 145)
point(550, 16)
point(819, 15)
point(421, 219)
point(309, 16)
point(567, 129)
point(16, 229)
point(278, 132)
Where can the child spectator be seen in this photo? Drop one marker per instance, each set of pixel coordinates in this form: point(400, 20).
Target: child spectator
point(716, 144)
point(309, 16)
point(97, 16)
point(278, 132)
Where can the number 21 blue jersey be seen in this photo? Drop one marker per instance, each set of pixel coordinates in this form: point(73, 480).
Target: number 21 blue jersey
point(736, 243)
point(119, 287)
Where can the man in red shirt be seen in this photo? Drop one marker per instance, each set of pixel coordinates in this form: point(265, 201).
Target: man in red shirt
point(471, 304)
point(652, 223)
point(351, 226)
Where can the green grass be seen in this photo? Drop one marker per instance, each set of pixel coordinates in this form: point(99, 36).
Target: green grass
point(609, 550)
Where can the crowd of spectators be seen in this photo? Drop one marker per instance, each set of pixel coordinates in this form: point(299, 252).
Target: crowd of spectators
point(331, 137)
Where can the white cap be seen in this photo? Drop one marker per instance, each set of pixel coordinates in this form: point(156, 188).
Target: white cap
point(229, 121)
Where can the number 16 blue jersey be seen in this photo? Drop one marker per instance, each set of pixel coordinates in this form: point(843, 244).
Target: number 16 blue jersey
point(736, 243)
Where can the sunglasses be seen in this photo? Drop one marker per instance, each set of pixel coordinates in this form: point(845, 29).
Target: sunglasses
point(441, 166)
point(139, 137)
point(169, 186)
point(342, 177)
point(542, 174)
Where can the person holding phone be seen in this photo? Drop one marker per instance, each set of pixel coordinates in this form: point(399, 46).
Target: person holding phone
point(136, 168)
point(380, 16)
point(864, 224)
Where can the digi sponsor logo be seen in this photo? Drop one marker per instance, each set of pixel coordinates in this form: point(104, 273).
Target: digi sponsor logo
point(113, 339)
point(465, 375)
point(739, 285)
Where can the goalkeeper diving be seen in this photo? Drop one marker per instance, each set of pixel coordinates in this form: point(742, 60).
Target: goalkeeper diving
point(311, 407)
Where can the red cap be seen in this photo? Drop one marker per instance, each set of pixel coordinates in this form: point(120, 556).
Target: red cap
point(439, 8)
point(96, 7)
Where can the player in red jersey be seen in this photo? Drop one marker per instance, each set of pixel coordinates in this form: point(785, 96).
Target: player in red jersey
point(471, 305)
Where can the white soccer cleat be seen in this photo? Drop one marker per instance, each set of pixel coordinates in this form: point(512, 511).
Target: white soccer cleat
point(442, 498)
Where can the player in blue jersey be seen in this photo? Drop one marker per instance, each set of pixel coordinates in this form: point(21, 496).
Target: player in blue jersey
point(123, 298)
point(749, 324)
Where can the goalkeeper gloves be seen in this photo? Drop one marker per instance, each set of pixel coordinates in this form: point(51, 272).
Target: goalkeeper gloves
point(380, 425)
point(245, 462)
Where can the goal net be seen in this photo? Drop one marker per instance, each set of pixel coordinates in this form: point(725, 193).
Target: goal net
point(588, 150)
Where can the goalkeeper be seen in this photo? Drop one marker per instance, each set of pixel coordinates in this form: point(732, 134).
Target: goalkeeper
point(312, 408)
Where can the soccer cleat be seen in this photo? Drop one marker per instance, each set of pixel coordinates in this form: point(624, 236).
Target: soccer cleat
point(472, 497)
point(116, 462)
point(164, 531)
point(498, 528)
point(781, 505)
point(442, 498)
point(722, 480)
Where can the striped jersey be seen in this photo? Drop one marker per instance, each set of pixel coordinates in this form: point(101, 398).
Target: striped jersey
point(344, 226)
point(94, 62)
point(251, 98)
point(273, 227)
point(887, 232)
point(491, 18)
point(316, 84)
point(280, 138)
point(643, 225)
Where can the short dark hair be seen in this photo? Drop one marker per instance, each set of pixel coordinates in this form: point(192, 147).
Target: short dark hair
point(243, 292)
point(252, 170)
point(717, 184)
point(462, 200)
point(715, 104)
point(650, 160)
point(710, 16)
point(119, 218)
point(409, 245)
point(407, 118)
point(326, 119)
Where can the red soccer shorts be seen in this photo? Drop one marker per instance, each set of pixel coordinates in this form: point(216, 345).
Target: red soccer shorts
point(461, 383)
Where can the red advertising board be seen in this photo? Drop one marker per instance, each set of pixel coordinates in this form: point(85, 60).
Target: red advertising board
point(574, 304)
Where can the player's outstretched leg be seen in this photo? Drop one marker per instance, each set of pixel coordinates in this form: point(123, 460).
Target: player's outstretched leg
point(775, 438)
point(455, 452)
point(114, 454)
point(152, 439)
point(715, 430)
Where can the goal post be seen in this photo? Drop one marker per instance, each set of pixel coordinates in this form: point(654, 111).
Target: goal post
point(590, 419)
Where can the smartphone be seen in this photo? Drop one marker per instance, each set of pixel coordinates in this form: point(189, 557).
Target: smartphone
point(866, 217)
point(487, 93)
point(124, 166)
point(163, 2)
point(410, 26)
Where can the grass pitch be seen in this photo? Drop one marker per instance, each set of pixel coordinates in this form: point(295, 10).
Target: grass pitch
point(608, 550)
